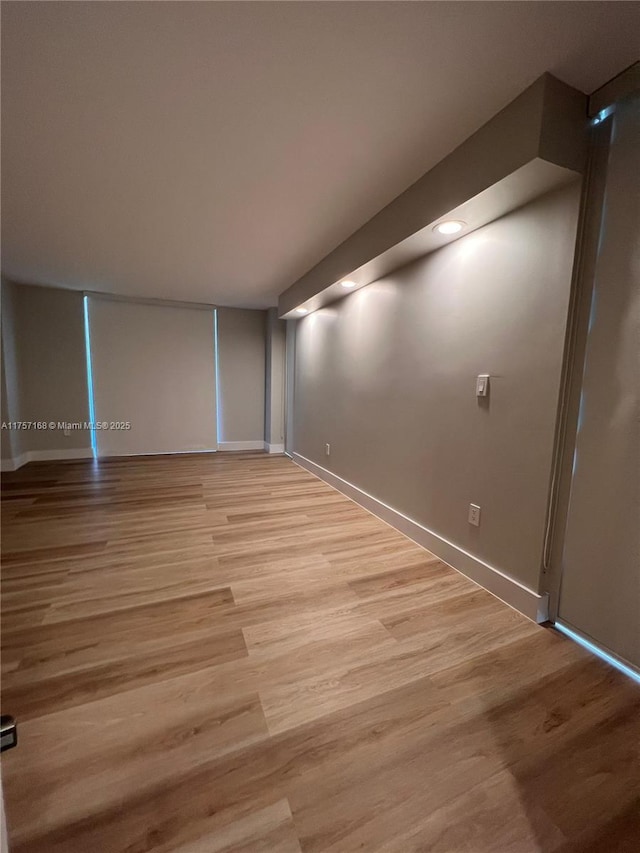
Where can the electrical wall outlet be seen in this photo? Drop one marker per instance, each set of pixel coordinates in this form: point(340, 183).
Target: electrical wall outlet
point(327, 450)
point(474, 515)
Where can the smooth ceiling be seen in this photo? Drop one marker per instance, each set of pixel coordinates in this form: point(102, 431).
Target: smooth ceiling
point(216, 151)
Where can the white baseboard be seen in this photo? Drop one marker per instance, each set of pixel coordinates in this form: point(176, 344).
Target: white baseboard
point(45, 456)
point(513, 593)
point(56, 455)
point(240, 445)
point(119, 455)
point(273, 448)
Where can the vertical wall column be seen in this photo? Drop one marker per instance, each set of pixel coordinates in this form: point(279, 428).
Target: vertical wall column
point(274, 412)
point(600, 579)
point(241, 385)
point(289, 381)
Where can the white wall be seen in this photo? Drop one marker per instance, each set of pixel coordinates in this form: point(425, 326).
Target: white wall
point(387, 377)
point(241, 363)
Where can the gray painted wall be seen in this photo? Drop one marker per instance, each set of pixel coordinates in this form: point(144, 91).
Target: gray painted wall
point(12, 441)
point(289, 381)
point(275, 378)
point(241, 360)
point(601, 562)
point(387, 377)
point(45, 367)
point(6, 438)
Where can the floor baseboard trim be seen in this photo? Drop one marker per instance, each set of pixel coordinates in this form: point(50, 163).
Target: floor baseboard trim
point(58, 455)
point(240, 445)
point(273, 448)
point(513, 593)
point(118, 455)
point(45, 456)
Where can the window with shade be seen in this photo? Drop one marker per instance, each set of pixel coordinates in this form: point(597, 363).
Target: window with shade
point(151, 365)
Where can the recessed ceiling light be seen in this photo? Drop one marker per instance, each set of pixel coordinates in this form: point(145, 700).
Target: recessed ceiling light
point(452, 226)
point(348, 283)
point(301, 311)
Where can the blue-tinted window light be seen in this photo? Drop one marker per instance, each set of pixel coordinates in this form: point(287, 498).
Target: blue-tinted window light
point(87, 344)
point(217, 361)
point(602, 115)
point(618, 664)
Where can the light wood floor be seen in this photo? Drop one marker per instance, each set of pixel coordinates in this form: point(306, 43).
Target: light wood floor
point(221, 653)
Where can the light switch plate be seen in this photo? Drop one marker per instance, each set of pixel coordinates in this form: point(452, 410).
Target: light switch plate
point(482, 385)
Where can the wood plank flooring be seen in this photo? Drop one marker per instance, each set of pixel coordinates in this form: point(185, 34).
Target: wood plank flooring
point(220, 653)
